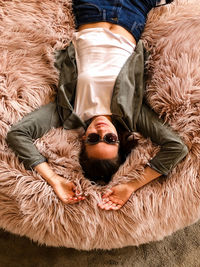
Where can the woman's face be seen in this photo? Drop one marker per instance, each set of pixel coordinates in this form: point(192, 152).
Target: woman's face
point(101, 125)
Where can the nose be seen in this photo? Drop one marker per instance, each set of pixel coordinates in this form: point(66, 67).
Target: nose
point(101, 132)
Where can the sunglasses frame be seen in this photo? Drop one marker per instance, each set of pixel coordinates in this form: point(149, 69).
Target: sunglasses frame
point(102, 140)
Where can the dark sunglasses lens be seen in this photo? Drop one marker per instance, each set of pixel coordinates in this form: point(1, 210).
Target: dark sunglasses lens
point(93, 138)
point(110, 138)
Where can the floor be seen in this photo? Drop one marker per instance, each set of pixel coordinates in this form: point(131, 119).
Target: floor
point(182, 249)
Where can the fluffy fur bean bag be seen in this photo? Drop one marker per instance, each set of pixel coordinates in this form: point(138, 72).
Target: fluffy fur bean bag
point(30, 33)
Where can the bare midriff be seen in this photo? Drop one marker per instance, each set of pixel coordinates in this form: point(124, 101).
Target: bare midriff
point(112, 27)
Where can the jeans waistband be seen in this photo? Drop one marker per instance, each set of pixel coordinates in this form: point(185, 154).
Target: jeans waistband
point(130, 14)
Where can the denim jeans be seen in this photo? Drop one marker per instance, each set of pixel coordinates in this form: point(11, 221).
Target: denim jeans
point(130, 14)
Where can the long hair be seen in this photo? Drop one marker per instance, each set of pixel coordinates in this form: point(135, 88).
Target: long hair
point(99, 169)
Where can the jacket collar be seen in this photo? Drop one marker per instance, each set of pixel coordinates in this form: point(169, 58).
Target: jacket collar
point(127, 94)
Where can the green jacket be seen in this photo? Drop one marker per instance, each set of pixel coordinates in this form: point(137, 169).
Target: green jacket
point(127, 107)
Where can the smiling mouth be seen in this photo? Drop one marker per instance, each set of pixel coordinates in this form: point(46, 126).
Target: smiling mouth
point(102, 124)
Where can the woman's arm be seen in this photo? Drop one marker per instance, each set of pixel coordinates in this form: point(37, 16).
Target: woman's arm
point(66, 191)
point(118, 195)
point(172, 148)
point(22, 135)
point(21, 139)
point(172, 151)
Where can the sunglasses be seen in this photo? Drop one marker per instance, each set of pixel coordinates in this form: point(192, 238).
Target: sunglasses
point(109, 138)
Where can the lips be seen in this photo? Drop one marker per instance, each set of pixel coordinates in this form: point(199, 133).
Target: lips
point(101, 124)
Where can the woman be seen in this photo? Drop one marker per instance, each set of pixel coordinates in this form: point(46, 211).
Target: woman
point(101, 87)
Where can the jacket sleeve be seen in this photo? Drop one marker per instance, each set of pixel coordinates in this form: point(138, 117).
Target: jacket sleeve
point(22, 135)
point(172, 148)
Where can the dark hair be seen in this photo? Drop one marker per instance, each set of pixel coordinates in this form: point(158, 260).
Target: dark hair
point(99, 169)
point(103, 169)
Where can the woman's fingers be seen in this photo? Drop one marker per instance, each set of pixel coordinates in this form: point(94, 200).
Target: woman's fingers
point(68, 193)
point(108, 204)
point(73, 199)
point(116, 200)
point(105, 205)
point(118, 195)
point(110, 201)
point(112, 206)
point(116, 207)
point(107, 193)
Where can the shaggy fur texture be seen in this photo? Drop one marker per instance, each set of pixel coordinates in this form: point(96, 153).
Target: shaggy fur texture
point(30, 32)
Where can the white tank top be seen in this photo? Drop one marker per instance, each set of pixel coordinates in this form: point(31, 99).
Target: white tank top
point(100, 55)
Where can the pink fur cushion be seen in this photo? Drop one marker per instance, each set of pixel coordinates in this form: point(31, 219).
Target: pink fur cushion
point(30, 32)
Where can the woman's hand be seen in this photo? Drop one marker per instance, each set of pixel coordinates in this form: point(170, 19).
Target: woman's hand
point(66, 191)
point(117, 196)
